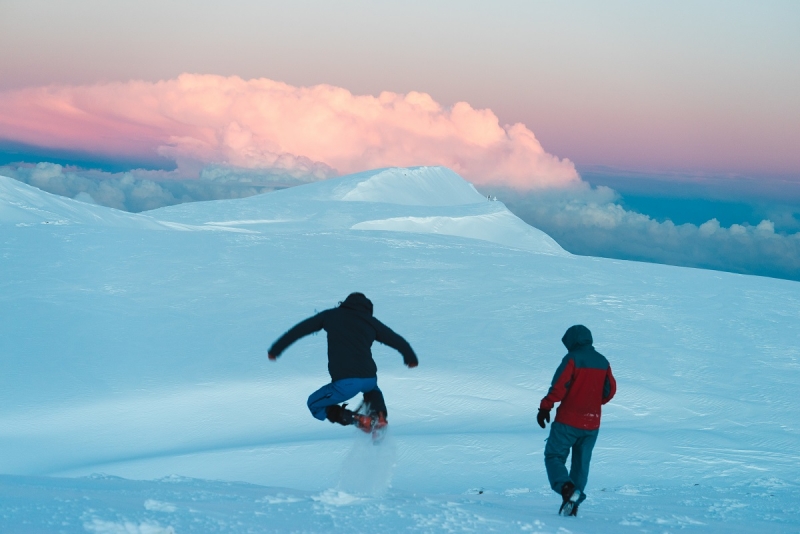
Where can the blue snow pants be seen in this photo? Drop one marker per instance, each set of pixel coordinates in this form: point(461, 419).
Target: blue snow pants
point(562, 439)
point(340, 391)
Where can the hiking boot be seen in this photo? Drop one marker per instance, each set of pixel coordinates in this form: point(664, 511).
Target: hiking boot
point(570, 496)
point(339, 414)
point(567, 490)
point(363, 422)
point(333, 412)
point(379, 426)
point(380, 422)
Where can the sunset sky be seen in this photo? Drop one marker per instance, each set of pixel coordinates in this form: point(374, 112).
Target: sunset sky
point(688, 110)
point(682, 85)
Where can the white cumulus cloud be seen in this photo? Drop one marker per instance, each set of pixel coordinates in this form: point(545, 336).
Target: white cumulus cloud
point(320, 131)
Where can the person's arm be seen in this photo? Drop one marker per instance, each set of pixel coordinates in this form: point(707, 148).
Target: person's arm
point(301, 329)
point(390, 338)
point(609, 387)
point(559, 385)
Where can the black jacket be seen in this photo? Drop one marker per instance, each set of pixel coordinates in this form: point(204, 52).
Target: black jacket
point(351, 330)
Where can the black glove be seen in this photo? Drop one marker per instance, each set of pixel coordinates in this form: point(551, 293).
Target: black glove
point(543, 417)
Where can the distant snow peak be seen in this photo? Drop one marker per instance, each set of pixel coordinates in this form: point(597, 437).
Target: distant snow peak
point(412, 186)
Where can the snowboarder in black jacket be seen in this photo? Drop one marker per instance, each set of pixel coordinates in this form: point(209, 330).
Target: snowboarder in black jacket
point(351, 330)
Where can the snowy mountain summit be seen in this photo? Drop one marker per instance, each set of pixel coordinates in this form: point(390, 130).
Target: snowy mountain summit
point(426, 200)
point(429, 200)
point(418, 186)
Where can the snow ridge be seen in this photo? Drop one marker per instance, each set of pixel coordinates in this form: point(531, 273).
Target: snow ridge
point(415, 186)
point(22, 204)
point(418, 200)
point(501, 227)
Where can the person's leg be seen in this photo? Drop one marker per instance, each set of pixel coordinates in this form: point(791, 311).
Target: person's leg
point(334, 393)
point(374, 398)
point(581, 458)
point(555, 454)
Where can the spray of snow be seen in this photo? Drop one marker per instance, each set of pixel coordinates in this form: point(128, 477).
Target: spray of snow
point(368, 466)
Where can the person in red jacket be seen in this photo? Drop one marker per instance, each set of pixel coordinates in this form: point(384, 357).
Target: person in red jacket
point(582, 384)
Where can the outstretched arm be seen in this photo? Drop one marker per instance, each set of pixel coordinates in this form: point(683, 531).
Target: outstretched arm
point(301, 329)
point(389, 337)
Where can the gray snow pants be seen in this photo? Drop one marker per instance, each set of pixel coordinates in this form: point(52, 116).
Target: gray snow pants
point(562, 439)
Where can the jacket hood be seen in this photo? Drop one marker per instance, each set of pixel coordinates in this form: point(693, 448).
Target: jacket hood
point(357, 302)
point(577, 336)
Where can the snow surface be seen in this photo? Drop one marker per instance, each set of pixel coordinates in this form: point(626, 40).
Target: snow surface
point(136, 395)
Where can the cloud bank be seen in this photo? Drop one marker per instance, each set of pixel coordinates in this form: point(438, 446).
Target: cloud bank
point(236, 138)
point(321, 131)
point(589, 221)
point(582, 219)
point(140, 190)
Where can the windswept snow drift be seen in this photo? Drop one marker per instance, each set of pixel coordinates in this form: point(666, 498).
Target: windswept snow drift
point(135, 345)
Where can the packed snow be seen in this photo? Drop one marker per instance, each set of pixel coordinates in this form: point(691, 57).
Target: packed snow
point(136, 395)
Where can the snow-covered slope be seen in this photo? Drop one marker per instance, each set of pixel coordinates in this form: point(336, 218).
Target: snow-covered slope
point(22, 204)
point(419, 200)
point(139, 350)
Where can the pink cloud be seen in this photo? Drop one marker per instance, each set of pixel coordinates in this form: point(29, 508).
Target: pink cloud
point(198, 120)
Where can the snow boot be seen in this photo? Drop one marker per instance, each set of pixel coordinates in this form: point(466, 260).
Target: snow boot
point(373, 423)
point(570, 496)
point(340, 414)
point(363, 421)
point(379, 428)
point(374, 403)
point(380, 422)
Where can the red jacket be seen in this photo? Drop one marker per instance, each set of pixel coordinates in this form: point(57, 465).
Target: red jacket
point(582, 383)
